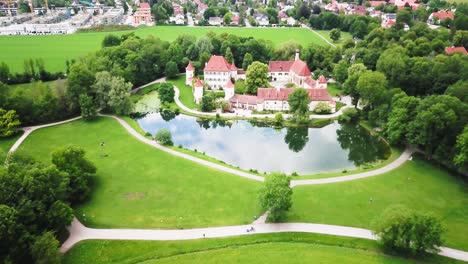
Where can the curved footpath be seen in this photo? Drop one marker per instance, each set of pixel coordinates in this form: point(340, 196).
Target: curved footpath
point(78, 232)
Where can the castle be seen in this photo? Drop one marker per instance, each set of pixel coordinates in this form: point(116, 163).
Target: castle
point(219, 74)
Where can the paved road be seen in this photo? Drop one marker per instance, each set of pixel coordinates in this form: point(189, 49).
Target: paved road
point(78, 233)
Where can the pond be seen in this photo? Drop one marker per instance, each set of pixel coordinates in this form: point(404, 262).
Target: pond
point(249, 146)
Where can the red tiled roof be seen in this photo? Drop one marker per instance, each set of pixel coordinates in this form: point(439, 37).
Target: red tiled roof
point(322, 79)
point(233, 67)
point(144, 5)
point(311, 82)
point(235, 19)
point(282, 15)
point(300, 68)
point(190, 66)
point(283, 93)
point(217, 63)
point(451, 50)
point(279, 66)
point(390, 23)
point(442, 15)
point(244, 99)
point(198, 83)
point(229, 84)
point(377, 3)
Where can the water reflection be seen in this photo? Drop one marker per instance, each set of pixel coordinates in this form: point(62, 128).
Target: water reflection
point(263, 148)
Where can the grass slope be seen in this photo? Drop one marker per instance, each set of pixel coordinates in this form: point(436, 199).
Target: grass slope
point(265, 248)
point(56, 49)
point(139, 186)
point(186, 95)
point(417, 185)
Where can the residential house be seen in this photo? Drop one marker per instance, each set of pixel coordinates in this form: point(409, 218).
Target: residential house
point(142, 15)
point(452, 50)
point(436, 17)
point(215, 21)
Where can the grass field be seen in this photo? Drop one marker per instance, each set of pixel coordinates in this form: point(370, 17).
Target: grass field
point(186, 95)
point(56, 49)
point(7, 143)
point(333, 89)
point(344, 36)
point(141, 187)
point(267, 248)
point(417, 185)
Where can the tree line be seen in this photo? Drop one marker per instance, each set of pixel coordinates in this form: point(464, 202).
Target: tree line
point(35, 203)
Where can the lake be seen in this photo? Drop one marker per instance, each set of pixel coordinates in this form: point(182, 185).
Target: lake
point(332, 148)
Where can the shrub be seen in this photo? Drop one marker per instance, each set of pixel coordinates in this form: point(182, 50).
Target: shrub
point(403, 231)
point(279, 118)
point(349, 115)
point(164, 137)
point(322, 108)
point(166, 92)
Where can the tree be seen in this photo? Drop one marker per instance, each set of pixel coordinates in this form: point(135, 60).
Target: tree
point(392, 63)
point(247, 61)
point(119, 96)
point(257, 76)
point(358, 29)
point(299, 103)
point(350, 84)
point(175, 54)
point(102, 86)
point(371, 86)
point(164, 137)
point(399, 118)
point(171, 70)
point(227, 18)
point(275, 196)
point(335, 34)
point(88, 109)
point(4, 72)
point(459, 90)
point(322, 108)
point(166, 92)
point(404, 16)
point(229, 57)
point(408, 232)
point(72, 160)
point(80, 80)
point(340, 72)
point(240, 87)
point(461, 158)
point(208, 102)
point(60, 215)
point(45, 249)
point(9, 122)
point(8, 227)
point(279, 118)
point(110, 41)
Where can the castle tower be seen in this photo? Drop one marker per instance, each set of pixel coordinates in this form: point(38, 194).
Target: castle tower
point(228, 90)
point(297, 55)
point(197, 90)
point(189, 74)
point(322, 82)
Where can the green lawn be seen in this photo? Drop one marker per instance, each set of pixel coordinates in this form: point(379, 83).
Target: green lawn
point(56, 49)
point(417, 185)
point(139, 186)
point(344, 36)
point(266, 248)
point(7, 143)
point(186, 95)
point(333, 89)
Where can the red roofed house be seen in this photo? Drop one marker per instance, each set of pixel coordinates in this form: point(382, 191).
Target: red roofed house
point(143, 14)
point(189, 73)
point(277, 99)
point(436, 17)
point(452, 50)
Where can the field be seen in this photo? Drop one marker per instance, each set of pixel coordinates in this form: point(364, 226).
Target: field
point(37, 89)
point(140, 186)
point(56, 49)
point(326, 34)
point(7, 143)
point(417, 185)
point(268, 248)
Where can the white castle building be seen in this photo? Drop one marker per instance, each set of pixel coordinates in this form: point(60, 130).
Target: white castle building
point(219, 74)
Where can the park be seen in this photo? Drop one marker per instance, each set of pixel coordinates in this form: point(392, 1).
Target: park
point(197, 197)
